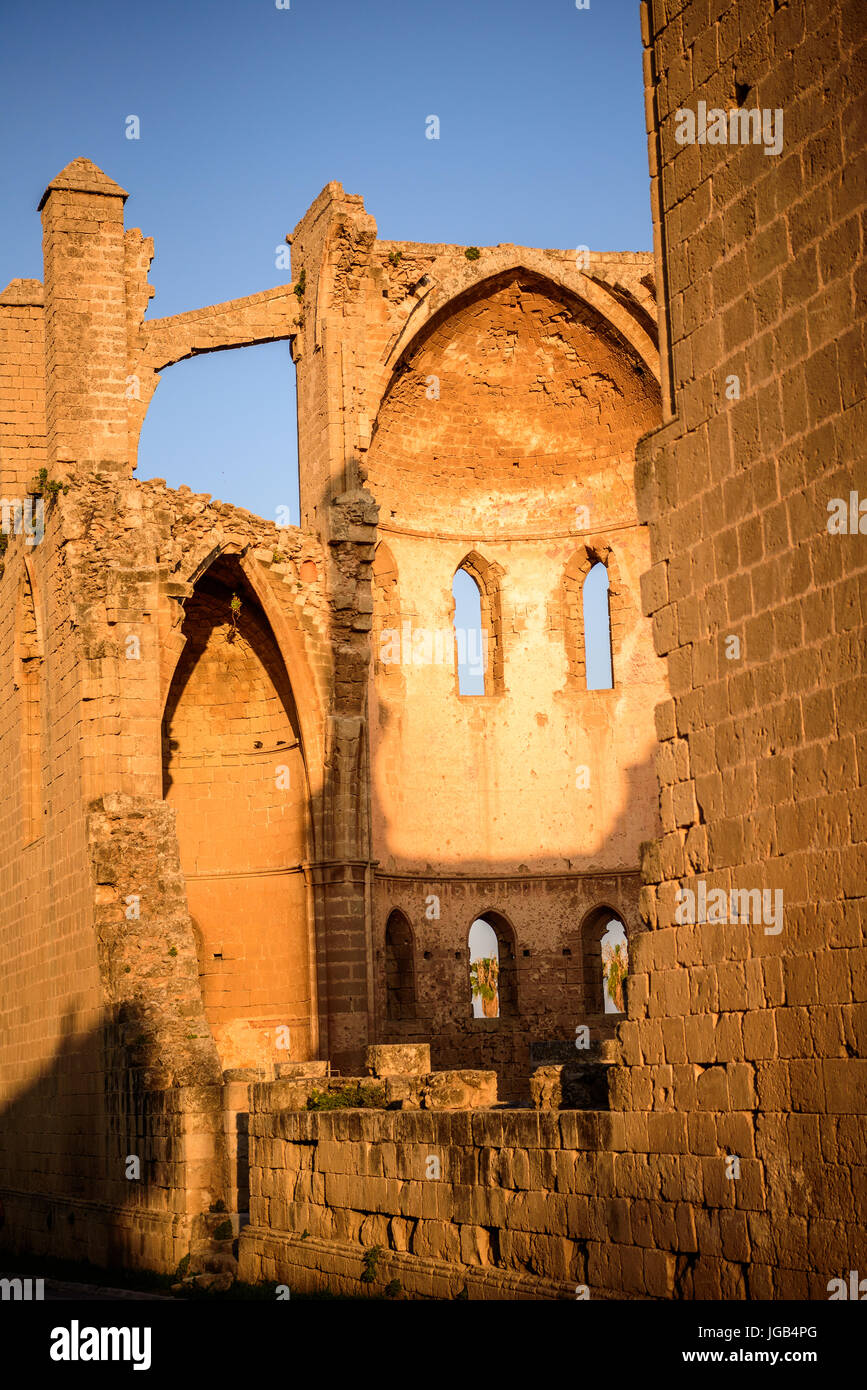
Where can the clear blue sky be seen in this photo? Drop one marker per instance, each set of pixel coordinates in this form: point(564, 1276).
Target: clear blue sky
point(246, 112)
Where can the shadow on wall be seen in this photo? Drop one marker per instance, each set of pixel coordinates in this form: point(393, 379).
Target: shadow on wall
point(423, 968)
point(92, 1151)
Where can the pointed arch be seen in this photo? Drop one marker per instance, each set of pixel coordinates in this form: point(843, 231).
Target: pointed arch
point(494, 987)
point(234, 772)
point(399, 968)
point(29, 680)
point(605, 961)
point(511, 380)
point(591, 554)
point(291, 644)
point(441, 300)
point(487, 576)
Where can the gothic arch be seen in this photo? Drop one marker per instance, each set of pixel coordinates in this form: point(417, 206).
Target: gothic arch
point(513, 382)
point(400, 993)
point(593, 928)
point(592, 552)
point(507, 951)
point(487, 574)
point(235, 775)
point(565, 280)
point(291, 644)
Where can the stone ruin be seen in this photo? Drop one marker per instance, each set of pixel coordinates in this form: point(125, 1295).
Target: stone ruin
point(251, 817)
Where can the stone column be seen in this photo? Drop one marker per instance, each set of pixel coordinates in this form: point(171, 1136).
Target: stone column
point(85, 323)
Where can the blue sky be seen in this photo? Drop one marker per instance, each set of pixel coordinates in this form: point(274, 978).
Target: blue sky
point(247, 110)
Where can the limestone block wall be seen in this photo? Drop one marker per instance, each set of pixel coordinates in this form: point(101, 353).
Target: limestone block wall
point(493, 1203)
point(109, 1070)
point(489, 400)
point(22, 385)
point(540, 772)
point(107, 1049)
point(761, 745)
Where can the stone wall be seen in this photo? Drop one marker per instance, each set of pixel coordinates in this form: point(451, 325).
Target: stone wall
point(555, 922)
point(495, 1204)
point(744, 1041)
point(489, 400)
point(730, 1163)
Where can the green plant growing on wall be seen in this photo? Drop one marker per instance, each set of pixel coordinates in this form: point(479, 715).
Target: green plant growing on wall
point(43, 486)
point(472, 253)
point(394, 257)
point(300, 286)
point(234, 612)
point(372, 1258)
point(223, 1231)
point(393, 1288)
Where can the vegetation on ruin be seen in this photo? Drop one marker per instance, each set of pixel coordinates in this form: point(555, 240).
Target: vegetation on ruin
point(394, 257)
point(352, 1097)
point(300, 285)
point(472, 253)
point(234, 613)
point(372, 1258)
point(43, 486)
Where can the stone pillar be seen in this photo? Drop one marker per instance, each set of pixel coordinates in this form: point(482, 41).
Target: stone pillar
point(85, 323)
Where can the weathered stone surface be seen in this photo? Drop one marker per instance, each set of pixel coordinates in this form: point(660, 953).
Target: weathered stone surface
point(459, 1090)
point(571, 1086)
point(398, 1059)
point(215, 835)
point(286, 1070)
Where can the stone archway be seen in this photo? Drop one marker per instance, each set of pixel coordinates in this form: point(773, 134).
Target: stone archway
point(234, 772)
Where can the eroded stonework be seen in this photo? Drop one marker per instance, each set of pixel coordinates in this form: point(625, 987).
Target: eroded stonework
point(243, 841)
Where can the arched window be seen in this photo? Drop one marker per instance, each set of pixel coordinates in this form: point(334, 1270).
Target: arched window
point(593, 616)
point(470, 636)
point(478, 627)
point(28, 680)
point(399, 969)
point(606, 962)
point(597, 629)
point(493, 990)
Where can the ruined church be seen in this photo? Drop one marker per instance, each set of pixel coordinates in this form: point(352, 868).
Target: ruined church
point(252, 814)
